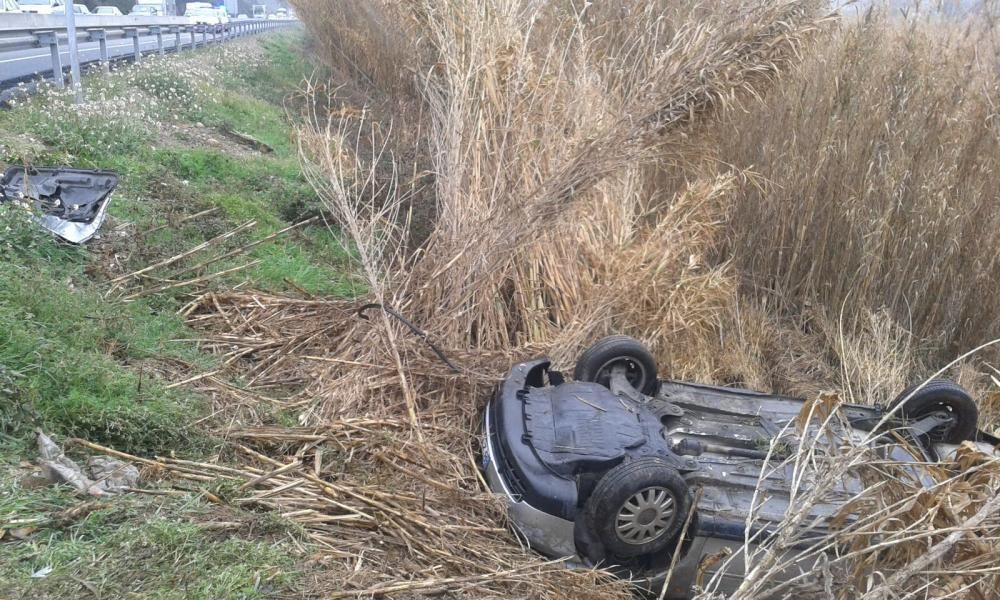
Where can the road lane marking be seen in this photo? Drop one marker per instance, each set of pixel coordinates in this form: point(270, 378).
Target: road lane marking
point(66, 53)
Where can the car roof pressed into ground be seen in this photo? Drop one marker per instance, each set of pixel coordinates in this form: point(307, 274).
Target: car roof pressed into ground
point(643, 476)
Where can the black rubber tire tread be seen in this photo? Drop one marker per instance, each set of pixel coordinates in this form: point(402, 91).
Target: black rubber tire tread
point(932, 396)
point(620, 483)
point(612, 347)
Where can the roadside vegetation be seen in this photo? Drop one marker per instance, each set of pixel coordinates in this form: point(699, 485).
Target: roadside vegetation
point(767, 196)
point(83, 355)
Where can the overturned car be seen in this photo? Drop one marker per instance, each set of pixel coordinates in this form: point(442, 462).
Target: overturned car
point(622, 470)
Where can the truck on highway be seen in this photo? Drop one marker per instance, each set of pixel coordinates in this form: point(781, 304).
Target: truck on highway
point(9, 6)
point(259, 11)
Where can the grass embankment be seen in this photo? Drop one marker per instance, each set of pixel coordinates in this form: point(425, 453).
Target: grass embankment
point(77, 359)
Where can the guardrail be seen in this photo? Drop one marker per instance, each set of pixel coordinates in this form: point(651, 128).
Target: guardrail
point(27, 31)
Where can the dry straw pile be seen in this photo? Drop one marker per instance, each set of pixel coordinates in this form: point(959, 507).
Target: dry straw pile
point(597, 168)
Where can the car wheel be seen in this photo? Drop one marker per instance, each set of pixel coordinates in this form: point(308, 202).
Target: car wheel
point(941, 396)
point(638, 508)
point(597, 362)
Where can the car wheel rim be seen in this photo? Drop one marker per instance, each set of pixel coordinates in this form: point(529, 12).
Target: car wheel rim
point(645, 516)
point(635, 373)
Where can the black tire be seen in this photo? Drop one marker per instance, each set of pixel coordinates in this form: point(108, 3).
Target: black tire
point(596, 362)
point(941, 395)
point(627, 527)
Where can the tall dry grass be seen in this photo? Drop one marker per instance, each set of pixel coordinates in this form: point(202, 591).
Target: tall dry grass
point(881, 166)
point(541, 120)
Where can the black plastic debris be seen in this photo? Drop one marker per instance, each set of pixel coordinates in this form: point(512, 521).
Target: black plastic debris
point(72, 203)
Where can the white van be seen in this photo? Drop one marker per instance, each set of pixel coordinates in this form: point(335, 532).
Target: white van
point(43, 7)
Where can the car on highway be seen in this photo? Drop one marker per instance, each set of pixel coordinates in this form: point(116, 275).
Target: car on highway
point(108, 11)
point(9, 6)
point(81, 9)
point(602, 470)
point(42, 7)
point(224, 19)
point(201, 15)
point(154, 8)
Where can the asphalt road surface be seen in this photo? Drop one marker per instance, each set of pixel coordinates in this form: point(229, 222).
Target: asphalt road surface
point(27, 64)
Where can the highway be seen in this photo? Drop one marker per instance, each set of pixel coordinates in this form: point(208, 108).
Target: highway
point(27, 64)
point(25, 53)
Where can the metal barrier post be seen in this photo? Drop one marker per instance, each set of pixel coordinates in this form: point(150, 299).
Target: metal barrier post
point(74, 57)
point(177, 37)
point(204, 36)
point(158, 32)
point(99, 36)
point(132, 32)
point(194, 40)
point(49, 38)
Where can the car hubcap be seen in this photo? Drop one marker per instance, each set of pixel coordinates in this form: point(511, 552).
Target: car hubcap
point(645, 516)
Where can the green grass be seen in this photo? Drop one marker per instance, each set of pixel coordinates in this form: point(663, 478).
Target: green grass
point(292, 266)
point(79, 360)
point(76, 361)
point(276, 85)
point(91, 367)
point(244, 114)
point(146, 547)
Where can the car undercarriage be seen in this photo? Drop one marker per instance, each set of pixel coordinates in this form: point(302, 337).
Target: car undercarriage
point(622, 470)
